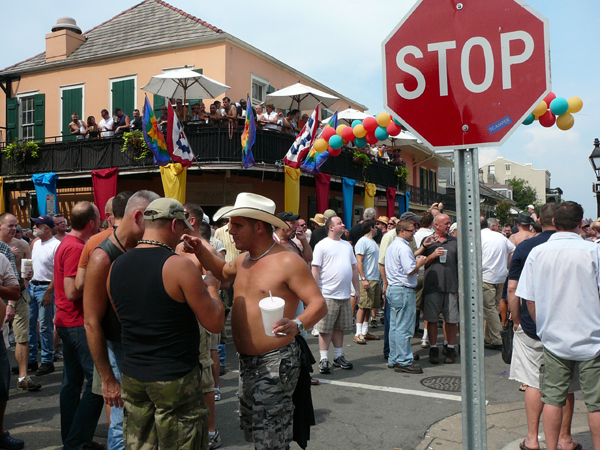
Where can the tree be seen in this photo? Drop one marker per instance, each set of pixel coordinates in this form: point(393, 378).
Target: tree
point(503, 212)
point(523, 193)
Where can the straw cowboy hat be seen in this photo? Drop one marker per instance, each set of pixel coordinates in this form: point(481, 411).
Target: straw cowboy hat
point(252, 206)
point(319, 219)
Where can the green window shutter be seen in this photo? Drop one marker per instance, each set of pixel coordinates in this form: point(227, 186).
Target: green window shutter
point(199, 71)
point(72, 102)
point(12, 119)
point(123, 95)
point(39, 116)
point(270, 89)
point(159, 102)
point(423, 180)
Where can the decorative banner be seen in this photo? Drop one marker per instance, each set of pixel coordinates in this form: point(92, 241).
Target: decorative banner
point(155, 140)
point(348, 194)
point(370, 191)
point(292, 189)
point(390, 193)
point(323, 181)
point(104, 182)
point(174, 180)
point(248, 136)
point(45, 184)
point(402, 204)
point(315, 159)
point(177, 143)
point(303, 142)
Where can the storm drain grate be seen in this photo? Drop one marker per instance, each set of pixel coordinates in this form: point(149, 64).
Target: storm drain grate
point(442, 383)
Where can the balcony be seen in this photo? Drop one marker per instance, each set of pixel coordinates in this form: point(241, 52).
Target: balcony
point(426, 197)
point(211, 145)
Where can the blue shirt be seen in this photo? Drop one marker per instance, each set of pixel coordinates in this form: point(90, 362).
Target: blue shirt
point(516, 267)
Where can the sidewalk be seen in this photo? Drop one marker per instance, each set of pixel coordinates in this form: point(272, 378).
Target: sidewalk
point(506, 428)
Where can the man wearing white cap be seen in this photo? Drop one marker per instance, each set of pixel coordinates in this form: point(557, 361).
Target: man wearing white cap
point(265, 267)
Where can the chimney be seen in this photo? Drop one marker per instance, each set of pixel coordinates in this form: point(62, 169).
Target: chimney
point(65, 38)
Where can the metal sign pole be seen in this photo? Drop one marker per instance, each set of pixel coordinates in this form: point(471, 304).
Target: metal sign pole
point(474, 436)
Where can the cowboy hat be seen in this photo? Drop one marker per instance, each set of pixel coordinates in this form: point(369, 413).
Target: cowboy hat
point(252, 206)
point(319, 219)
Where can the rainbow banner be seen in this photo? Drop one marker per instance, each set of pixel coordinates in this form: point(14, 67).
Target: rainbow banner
point(314, 160)
point(248, 136)
point(154, 137)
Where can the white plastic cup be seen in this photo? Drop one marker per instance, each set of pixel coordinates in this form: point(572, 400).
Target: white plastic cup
point(272, 312)
point(26, 267)
point(443, 256)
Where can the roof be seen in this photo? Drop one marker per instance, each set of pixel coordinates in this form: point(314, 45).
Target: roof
point(123, 35)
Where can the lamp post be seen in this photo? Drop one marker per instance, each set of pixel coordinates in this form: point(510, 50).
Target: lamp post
point(595, 162)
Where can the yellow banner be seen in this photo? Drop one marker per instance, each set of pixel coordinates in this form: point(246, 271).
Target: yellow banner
point(292, 189)
point(174, 180)
point(370, 191)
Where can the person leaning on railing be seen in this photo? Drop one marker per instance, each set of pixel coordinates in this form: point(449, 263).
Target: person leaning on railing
point(93, 130)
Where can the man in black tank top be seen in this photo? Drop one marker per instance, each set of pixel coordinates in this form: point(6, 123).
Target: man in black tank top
point(159, 296)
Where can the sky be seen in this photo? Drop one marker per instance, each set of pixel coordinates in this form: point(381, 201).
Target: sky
point(339, 44)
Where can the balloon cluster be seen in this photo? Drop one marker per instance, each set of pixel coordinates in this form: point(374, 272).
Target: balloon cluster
point(557, 110)
point(369, 131)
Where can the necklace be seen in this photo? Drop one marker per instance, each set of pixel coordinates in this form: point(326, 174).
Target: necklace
point(119, 242)
point(151, 242)
point(264, 254)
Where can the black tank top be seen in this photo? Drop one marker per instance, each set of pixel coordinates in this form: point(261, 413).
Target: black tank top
point(110, 322)
point(160, 336)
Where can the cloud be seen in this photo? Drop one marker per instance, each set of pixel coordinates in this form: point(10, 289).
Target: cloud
point(487, 155)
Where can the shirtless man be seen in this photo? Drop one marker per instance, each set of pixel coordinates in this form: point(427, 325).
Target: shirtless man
point(285, 236)
point(77, 127)
point(229, 109)
point(266, 409)
point(524, 222)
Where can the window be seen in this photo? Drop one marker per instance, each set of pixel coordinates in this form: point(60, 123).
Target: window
point(25, 115)
point(26, 120)
point(492, 169)
point(260, 89)
point(507, 167)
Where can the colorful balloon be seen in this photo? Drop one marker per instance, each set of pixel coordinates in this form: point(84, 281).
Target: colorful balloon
point(334, 152)
point(575, 105)
point(348, 134)
point(340, 128)
point(320, 145)
point(540, 109)
point(559, 106)
point(356, 122)
point(565, 121)
point(371, 138)
point(393, 129)
point(360, 142)
point(397, 122)
point(547, 119)
point(381, 133)
point(370, 124)
point(548, 99)
point(383, 119)
point(327, 133)
point(529, 119)
point(359, 131)
point(335, 142)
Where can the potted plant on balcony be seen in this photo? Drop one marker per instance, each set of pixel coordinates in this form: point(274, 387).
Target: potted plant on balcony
point(360, 159)
point(133, 141)
point(22, 151)
point(402, 174)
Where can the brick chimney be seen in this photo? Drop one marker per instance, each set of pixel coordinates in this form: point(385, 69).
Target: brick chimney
point(65, 38)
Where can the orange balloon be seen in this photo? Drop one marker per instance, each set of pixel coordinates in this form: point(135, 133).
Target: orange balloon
point(359, 131)
point(540, 109)
point(565, 121)
point(339, 129)
point(320, 145)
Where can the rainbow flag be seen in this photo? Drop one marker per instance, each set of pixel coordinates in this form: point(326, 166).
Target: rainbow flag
point(154, 137)
point(248, 136)
point(314, 160)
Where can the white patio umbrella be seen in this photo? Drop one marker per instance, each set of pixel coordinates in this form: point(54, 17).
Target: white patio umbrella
point(403, 138)
point(300, 93)
point(184, 83)
point(349, 115)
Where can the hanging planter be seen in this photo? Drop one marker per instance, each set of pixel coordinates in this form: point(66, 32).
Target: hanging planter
point(22, 151)
point(133, 142)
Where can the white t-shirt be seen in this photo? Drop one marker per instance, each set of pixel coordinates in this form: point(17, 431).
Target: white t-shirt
point(335, 259)
point(421, 234)
point(7, 274)
point(267, 117)
point(107, 125)
point(399, 262)
point(369, 249)
point(42, 255)
point(495, 249)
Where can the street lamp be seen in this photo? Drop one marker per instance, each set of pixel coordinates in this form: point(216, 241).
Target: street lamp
point(595, 162)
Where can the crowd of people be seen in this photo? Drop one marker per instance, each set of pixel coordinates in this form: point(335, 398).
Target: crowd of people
point(140, 309)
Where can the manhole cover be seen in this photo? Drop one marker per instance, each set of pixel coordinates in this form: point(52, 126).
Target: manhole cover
point(442, 383)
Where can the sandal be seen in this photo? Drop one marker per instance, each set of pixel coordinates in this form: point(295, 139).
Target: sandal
point(522, 446)
point(523, 387)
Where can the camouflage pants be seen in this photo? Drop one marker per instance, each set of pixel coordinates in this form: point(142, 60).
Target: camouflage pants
point(267, 383)
point(165, 414)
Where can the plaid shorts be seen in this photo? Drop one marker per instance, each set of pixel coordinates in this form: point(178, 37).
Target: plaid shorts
point(339, 316)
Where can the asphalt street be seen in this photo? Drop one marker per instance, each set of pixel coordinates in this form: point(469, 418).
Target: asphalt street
point(370, 406)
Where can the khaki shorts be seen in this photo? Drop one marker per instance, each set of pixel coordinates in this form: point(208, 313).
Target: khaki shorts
point(441, 302)
point(215, 340)
point(556, 375)
point(370, 298)
point(21, 320)
point(527, 358)
point(339, 316)
point(208, 381)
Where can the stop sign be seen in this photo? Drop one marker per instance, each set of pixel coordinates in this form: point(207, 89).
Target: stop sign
point(466, 74)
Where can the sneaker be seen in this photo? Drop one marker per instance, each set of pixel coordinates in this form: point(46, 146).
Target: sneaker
point(214, 440)
point(373, 323)
point(425, 343)
point(314, 332)
point(434, 355)
point(45, 369)
point(492, 346)
point(217, 394)
point(10, 443)
point(370, 337)
point(324, 366)
point(58, 357)
point(413, 368)
point(450, 356)
point(26, 384)
point(360, 340)
point(342, 363)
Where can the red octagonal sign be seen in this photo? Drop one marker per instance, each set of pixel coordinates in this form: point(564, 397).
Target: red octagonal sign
point(463, 74)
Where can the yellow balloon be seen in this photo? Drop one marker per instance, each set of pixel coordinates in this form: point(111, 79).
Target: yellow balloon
point(383, 119)
point(339, 129)
point(320, 145)
point(565, 121)
point(359, 131)
point(575, 104)
point(540, 109)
